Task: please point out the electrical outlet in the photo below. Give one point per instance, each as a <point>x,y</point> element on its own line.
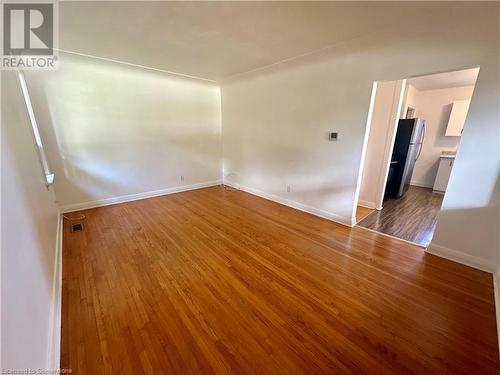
<point>288,188</point>
<point>182,178</point>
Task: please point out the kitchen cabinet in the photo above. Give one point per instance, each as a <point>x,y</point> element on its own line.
<point>457,118</point>
<point>443,174</point>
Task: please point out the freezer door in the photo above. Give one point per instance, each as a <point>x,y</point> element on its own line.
<point>408,168</point>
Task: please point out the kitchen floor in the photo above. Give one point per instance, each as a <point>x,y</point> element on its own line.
<point>412,217</point>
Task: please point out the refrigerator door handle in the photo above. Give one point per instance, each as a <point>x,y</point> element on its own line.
<point>421,143</point>
<point>419,151</point>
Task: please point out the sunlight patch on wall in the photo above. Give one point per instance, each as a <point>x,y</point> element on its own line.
<point>119,130</point>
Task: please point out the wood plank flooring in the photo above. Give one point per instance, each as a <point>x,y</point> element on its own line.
<point>412,217</point>
<point>219,281</point>
<point>362,212</point>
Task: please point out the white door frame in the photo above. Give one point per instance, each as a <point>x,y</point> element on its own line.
<point>389,144</point>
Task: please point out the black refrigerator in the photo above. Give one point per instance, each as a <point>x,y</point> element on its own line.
<point>407,148</point>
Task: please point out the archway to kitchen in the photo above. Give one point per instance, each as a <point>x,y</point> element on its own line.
<point>412,140</point>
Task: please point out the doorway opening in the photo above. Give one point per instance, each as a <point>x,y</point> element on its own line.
<point>412,138</point>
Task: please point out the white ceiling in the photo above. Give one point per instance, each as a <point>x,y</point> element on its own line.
<point>446,80</point>
<point>214,40</point>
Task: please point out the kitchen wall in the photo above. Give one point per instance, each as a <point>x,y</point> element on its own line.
<point>28,240</point>
<point>434,106</point>
<point>409,100</point>
<point>115,132</point>
<point>276,120</point>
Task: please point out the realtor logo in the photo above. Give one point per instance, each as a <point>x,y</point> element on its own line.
<point>28,35</point>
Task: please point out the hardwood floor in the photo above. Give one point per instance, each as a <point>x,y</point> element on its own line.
<point>220,281</point>
<point>362,212</point>
<point>412,217</point>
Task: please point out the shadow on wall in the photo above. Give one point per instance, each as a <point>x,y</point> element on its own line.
<point>113,130</point>
<point>431,173</point>
<point>482,222</point>
<point>440,141</point>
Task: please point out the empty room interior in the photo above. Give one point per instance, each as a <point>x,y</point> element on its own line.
<point>250,187</point>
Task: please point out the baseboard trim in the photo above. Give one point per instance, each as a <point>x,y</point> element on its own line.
<point>54,339</point>
<point>438,192</point>
<point>135,197</point>
<point>367,204</point>
<point>420,184</point>
<point>496,286</point>
<point>348,221</point>
<point>460,257</point>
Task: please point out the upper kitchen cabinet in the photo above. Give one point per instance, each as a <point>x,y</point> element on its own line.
<point>457,118</point>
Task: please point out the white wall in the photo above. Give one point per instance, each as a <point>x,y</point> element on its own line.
<point>275,121</point>
<point>275,134</point>
<point>29,229</point>
<point>112,130</point>
<point>409,100</point>
<point>434,106</point>
<point>379,146</point>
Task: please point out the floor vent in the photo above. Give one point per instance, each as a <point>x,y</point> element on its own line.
<point>77,227</point>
